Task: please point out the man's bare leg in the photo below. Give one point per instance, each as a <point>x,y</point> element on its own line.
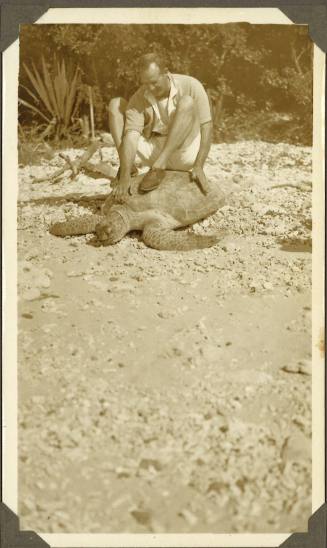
<point>117,109</point>
<point>180,129</point>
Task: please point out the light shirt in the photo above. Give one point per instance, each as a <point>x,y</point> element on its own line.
<point>164,108</point>
<point>143,114</point>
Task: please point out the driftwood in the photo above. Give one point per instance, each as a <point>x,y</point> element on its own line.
<point>304,186</point>
<point>102,168</point>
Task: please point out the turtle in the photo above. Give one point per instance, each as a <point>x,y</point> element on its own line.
<point>177,202</point>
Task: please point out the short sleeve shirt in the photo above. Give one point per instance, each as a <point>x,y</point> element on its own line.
<point>142,113</point>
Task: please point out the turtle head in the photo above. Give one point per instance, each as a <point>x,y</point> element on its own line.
<point>113,229</point>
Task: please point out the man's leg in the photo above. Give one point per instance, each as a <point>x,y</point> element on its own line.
<point>117,109</point>
<point>182,129</point>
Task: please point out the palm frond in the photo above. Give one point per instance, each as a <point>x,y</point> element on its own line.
<point>30,92</point>
<point>54,90</point>
<point>39,87</point>
<point>35,109</point>
<point>49,88</point>
<point>71,98</point>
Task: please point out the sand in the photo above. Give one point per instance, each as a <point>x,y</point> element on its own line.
<point>168,392</point>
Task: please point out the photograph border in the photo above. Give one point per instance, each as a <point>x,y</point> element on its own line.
<point>314,14</point>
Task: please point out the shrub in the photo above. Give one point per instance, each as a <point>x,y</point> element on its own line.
<point>55,96</point>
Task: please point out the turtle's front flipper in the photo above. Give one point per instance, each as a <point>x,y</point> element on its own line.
<point>76,226</point>
<point>160,237</point>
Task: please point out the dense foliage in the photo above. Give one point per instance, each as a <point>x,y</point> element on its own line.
<point>258,76</point>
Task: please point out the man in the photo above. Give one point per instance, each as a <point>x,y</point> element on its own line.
<point>167,123</point>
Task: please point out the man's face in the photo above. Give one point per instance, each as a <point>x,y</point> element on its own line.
<point>155,81</point>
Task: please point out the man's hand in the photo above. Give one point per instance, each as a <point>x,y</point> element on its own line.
<point>198,175</point>
<point>122,190</point>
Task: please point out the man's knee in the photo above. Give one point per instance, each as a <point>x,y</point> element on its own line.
<point>186,103</point>
<point>117,104</point>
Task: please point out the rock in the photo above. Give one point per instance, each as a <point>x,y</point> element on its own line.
<point>32,279</point>
<point>163,315</point>
<point>107,138</point>
<point>142,517</point>
<point>216,486</point>
<point>268,285</point>
<point>298,447</point>
<point>150,463</point>
<point>189,517</point>
<point>302,367</point>
<point>229,247</point>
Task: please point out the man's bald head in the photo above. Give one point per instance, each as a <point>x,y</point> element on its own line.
<point>153,74</point>
<point>148,59</point>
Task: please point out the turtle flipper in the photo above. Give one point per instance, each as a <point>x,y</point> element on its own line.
<point>160,237</point>
<point>76,226</point>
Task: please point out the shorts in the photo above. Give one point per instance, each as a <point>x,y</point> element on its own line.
<point>182,159</point>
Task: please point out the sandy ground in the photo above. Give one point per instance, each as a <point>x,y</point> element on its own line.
<point>167,391</point>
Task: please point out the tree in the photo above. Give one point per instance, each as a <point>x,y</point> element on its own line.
<point>246,68</point>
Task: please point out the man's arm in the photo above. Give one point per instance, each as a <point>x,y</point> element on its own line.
<point>205,144</point>
<point>127,153</point>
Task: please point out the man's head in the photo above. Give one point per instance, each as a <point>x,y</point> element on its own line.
<point>153,74</point>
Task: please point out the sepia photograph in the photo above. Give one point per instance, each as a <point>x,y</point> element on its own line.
<point>164,278</point>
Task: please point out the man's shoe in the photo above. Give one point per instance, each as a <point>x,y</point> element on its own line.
<point>152,179</point>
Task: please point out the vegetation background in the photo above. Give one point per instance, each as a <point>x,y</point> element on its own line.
<point>259,77</point>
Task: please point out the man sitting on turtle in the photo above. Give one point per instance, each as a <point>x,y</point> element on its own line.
<point>167,123</point>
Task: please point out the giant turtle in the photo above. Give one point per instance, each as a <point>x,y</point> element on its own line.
<point>177,202</point>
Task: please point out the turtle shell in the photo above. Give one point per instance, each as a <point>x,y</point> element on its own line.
<point>176,196</point>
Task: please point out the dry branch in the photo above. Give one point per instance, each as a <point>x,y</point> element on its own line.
<point>71,164</point>
<point>52,177</point>
<point>77,165</point>
<point>302,186</point>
